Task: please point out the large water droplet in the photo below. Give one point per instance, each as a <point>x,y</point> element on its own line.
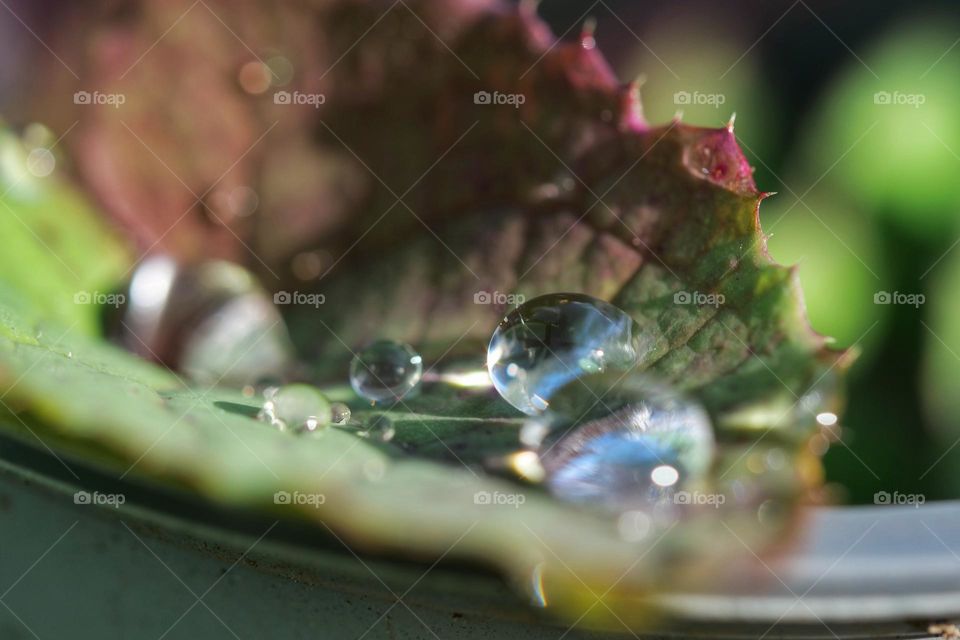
<point>211,320</point>
<point>621,442</point>
<point>545,343</point>
<point>296,407</point>
<point>385,371</point>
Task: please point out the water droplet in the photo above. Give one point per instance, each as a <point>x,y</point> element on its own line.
<point>281,70</point>
<point>211,320</point>
<point>548,341</point>
<point>339,414</point>
<point>297,407</point>
<point>40,162</point>
<point>378,427</point>
<point>621,442</point>
<point>254,77</point>
<point>385,371</point>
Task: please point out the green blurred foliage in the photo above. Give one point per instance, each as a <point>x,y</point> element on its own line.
<point>892,126</point>
<point>690,64</point>
<point>841,264</point>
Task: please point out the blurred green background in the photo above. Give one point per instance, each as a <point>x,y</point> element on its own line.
<point>851,113</point>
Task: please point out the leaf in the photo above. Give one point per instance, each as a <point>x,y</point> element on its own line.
<point>420,195</point>
<point>82,395</point>
<point>56,248</point>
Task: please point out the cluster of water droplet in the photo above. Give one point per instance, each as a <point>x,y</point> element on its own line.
<point>602,433</point>
<point>599,432</point>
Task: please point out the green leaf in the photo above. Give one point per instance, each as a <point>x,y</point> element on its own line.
<point>572,191</point>
<point>56,248</point>
<point>79,394</point>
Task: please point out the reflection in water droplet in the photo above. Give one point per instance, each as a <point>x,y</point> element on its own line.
<point>545,343</point>
<point>385,371</point>
<point>621,443</point>
<point>297,407</point>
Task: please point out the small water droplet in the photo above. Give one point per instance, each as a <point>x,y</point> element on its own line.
<point>297,407</point>
<point>40,162</point>
<point>339,414</point>
<point>385,371</point>
<point>548,341</point>
<point>379,428</point>
<point>622,442</point>
<point>254,77</point>
<point>281,70</point>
